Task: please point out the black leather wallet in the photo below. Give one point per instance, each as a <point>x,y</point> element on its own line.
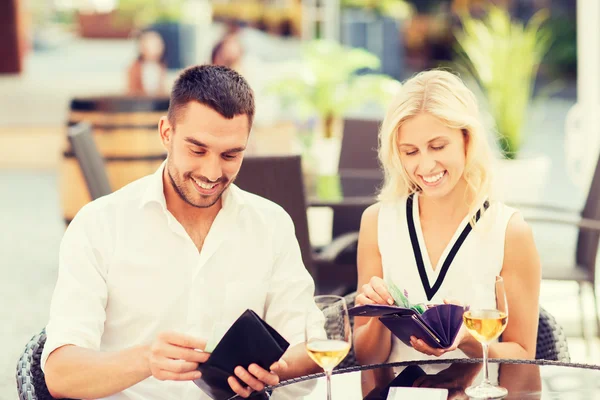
<point>250,340</point>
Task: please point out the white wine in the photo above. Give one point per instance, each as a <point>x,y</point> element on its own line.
<point>485,325</point>
<point>328,353</point>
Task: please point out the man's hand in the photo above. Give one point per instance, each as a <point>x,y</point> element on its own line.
<point>175,356</point>
<point>256,378</point>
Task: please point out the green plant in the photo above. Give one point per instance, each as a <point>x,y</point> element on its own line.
<point>327,84</point>
<point>561,60</point>
<point>503,57</point>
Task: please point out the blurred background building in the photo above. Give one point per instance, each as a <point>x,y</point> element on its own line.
<point>320,69</point>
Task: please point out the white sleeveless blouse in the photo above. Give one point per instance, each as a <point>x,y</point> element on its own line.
<point>465,272</point>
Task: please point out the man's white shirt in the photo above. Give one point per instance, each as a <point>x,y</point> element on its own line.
<point>128,270</point>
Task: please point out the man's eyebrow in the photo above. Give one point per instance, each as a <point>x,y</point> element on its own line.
<point>235,150</point>
<point>200,144</point>
<point>195,142</point>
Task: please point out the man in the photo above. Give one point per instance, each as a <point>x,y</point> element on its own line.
<point>151,272</point>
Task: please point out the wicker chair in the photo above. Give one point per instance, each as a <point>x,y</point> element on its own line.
<point>551,339</point>
<point>31,383</point>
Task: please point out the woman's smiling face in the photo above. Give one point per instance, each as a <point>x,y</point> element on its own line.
<point>432,154</point>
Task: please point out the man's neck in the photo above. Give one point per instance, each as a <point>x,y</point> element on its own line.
<point>184,212</point>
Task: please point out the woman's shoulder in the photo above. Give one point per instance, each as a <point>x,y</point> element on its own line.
<point>507,222</point>
<point>499,211</point>
<point>384,208</point>
<point>372,210</point>
<point>395,204</point>
<point>371,215</point>
<point>516,226</point>
<point>502,206</point>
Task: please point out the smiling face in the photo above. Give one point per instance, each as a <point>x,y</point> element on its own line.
<point>432,154</point>
<point>205,152</point>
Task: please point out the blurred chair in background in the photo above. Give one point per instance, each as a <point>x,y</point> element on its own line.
<point>359,145</point>
<point>126,135</point>
<point>280,180</point>
<point>360,176</point>
<point>90,160</point>
<point>583,269</point>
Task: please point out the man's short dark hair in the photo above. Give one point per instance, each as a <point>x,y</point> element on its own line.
<point>217,87</point>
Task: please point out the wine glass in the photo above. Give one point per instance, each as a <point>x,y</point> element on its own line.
<point>329,337</point>
<point>486,325</point>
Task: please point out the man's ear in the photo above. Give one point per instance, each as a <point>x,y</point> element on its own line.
<point>166,132</point>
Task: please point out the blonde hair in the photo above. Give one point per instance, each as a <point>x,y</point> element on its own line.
<point>444,96</point>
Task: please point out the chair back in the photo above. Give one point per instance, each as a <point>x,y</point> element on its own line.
<point>31,382</point>
<point>359,145</point>
<point>90,160</point>
<point>279,179</point>
<point>125,130</point>
<point>359,170</point>
<point>587,240</point>
<point>551,340</point>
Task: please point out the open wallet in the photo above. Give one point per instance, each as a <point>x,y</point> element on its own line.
<point>437,326</point>
<point>250,340</point>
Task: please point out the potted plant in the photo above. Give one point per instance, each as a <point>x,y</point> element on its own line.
<point>503,56</point>
<point>328,82</point>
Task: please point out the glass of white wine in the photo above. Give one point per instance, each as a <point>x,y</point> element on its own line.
<point>328,340</point>
<point>486,325</point>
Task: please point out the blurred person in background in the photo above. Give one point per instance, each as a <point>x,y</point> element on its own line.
<point>230,52</point>
<point>147,74</point>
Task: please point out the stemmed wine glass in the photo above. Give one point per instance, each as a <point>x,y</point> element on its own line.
<point>486,325</point>
<point>328,340</point>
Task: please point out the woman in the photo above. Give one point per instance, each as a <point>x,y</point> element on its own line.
<point>147,75</point>
<point>437,179</point>
<point>229,51</point>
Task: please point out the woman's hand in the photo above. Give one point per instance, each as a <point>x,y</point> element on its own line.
<point>463,336</point>
<point>374,292</point>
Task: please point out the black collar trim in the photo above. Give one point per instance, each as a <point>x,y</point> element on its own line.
<point>431,291</point>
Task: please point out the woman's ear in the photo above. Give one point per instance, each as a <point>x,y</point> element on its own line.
<point>466,139</point>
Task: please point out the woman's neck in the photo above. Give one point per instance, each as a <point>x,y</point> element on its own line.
<point>452,207</point>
